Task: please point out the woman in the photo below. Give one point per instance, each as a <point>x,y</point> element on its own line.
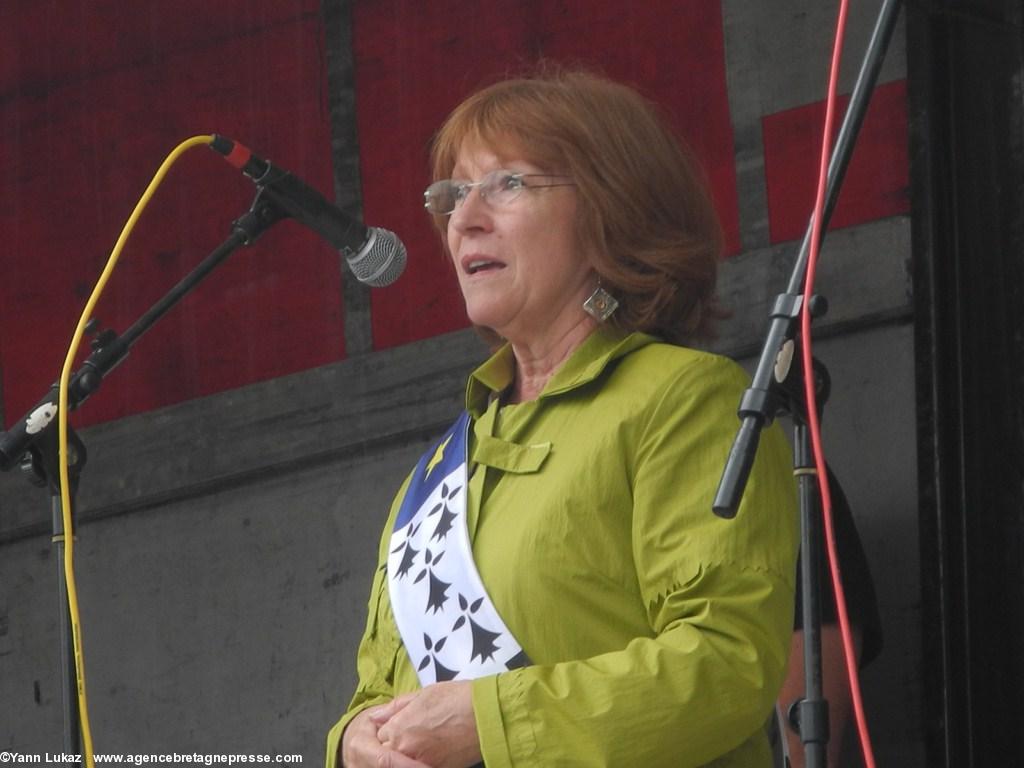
<point>597,612</point>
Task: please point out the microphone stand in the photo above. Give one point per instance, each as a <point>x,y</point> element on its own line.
<point>32,442</point>
<point>763,400</point>
<point>809,716</point>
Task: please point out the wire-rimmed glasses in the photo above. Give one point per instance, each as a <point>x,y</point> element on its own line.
<point>498,187</point>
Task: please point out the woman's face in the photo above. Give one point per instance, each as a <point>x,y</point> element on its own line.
<point>519,265</point>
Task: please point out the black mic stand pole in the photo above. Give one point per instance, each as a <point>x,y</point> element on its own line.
<point>32,442</point>
<point>762,400</point>
<point>42,465</point>
<point>809,715</point>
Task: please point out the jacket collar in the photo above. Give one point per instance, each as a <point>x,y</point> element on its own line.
<point>585,364</point>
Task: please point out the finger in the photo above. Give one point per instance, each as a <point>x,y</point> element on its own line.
<point>385,712</point>
<point>391,759</point>
<point>360,746</point>
<point>379,711</point>
<point>384,734</point>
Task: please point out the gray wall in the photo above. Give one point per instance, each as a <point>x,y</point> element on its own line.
<point>226,544</point>
<point>224,553</point>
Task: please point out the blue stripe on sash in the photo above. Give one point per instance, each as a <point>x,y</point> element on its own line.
<point>433,466</point>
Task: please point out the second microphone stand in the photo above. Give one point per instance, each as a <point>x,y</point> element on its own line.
<point>762,400</point>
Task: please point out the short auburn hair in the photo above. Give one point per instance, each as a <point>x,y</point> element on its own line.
<point>644,216</point>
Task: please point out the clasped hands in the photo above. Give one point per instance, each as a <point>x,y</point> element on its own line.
<point>434,727</point>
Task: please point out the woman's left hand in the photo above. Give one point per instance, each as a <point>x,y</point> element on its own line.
<point>435,725</point>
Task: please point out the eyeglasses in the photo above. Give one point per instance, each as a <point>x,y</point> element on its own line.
<point>497,188</point>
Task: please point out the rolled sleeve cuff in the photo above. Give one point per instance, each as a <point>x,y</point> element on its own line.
<point>506,738</point>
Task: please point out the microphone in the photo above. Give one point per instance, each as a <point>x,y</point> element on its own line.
<point>375,256</point>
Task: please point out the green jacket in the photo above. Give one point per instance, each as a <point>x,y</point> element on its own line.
<point>658,632</point>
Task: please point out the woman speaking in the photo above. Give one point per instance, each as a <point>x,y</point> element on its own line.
<point>553,587</point>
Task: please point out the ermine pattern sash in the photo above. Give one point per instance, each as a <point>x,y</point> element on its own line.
<point>450,627</point>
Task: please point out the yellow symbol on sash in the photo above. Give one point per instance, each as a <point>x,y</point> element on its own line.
<point>437,458</point>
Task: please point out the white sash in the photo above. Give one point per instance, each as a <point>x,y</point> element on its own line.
<point>450,627</point>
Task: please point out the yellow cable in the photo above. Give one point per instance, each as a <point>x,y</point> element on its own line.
<point>62,426</point>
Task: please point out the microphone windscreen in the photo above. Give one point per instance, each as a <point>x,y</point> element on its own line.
<point>380,261</point>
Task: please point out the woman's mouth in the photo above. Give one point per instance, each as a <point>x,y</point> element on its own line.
<point>475,266</point>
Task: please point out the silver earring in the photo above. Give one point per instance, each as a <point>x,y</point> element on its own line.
<point>600,305</point>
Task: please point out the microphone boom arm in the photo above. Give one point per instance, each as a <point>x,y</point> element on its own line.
<point>110,349</point>
<point>756,409</point>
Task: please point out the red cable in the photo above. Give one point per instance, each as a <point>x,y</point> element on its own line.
<point>811,397</point>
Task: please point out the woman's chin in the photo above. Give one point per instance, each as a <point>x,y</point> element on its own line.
<point>487,317</point>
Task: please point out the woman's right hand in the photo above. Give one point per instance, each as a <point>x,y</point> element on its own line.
<point>360,747</point>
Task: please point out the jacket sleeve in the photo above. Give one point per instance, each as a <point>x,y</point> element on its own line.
<point>719,602</point>
<point>375,660</point>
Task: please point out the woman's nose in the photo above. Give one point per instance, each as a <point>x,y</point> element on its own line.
<point>472,213</point>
